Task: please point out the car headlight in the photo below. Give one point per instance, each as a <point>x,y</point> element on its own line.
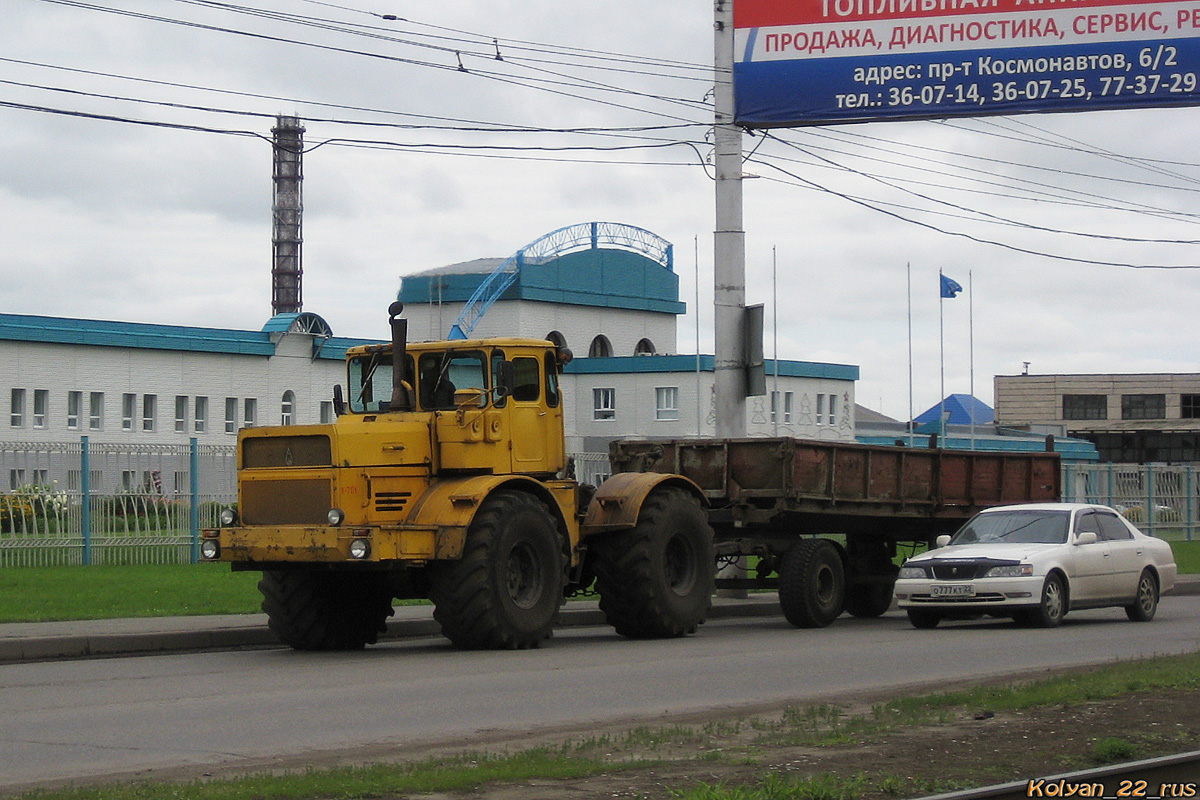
<point>911,572</point>
<point>228,517</point>
<point>1010,571</point>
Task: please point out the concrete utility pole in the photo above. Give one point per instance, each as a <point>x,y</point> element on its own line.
<point>729,240</point>
<point>288,210</point>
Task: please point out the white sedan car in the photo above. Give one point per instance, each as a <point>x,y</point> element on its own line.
<point>1035,563</point>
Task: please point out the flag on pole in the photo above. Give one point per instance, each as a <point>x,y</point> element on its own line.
<point>950,287</point>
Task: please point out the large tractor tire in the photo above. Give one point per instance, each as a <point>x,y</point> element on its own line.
<point>812,583</point>
<point>505,591</point>
<point>656,579</point>
<point>314,610</point>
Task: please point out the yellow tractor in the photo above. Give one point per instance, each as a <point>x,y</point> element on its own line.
<point>443,477</point>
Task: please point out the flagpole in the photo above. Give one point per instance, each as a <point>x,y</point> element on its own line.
<point>908,270</point>
<point>699,396</point>
<point>971,340</point>
<point>776,400</point>
<point>942,358</point>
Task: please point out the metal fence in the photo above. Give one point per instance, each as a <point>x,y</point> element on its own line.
<point>1162,500</point>
<point>75,503</point>
<point>82,503</point>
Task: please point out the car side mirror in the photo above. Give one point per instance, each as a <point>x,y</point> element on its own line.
<point>943,540</point>
<point>1087,537</point>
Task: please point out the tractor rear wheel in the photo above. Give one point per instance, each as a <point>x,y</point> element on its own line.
<point>505,591</point>
<point>656,579</point>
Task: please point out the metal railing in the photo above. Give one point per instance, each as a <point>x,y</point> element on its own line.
<point>82,503</point>
<point>1161,500</point>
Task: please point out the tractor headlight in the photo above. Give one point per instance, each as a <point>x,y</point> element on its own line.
<point>228,517</point>
<point>335,516</point>
<point>360,549</point>
<point>210,549</point>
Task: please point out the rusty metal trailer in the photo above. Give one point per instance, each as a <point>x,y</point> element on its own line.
<point>773,500</point>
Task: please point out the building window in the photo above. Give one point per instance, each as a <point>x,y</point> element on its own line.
<point>645,347</point>
<point>787,408</point>
<point>128,408</point>
<point>833,409</point>
<point>820,409</point>
<point>666,402</point>
<point>326,412</point>
<point>1085,406</point>
<point>601,347</point>
<point>250,412</point>
<point>287,408</point>
<point>1143,406</point>
<point>604,403</point>
<point>41,405</point>
<point>17,417</point>
<point>1189,407</point>
<point>231,406</point>
<point>96,411</point>
<point>181,414</point>
<point>74,402</point>
<point>149,412</point>
<point>200,421</point>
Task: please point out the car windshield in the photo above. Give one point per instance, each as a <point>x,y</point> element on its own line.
<point>1040,527</point>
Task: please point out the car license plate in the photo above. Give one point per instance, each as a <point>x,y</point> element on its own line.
<point>955,590</point>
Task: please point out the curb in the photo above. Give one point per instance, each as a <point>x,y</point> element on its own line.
<point>109,638</point>
<point>89,639</point>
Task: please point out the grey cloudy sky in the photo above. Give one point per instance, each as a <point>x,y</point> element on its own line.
<point>104,218</point>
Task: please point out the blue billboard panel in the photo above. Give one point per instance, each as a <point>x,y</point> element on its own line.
<point>810,62</point>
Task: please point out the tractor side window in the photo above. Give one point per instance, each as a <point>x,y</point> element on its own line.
<point>443,374</point>
<point>497,360</point>
<point>527,384</point>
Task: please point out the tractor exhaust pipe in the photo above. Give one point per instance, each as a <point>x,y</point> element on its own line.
<point>401,396</point>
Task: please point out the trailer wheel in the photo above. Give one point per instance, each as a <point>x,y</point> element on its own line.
<point>656,579</point>
<point>812,584</point>
<point>924,618</point>
<point>869,600</point>
<point>505,591</point>
<point>312,610</point>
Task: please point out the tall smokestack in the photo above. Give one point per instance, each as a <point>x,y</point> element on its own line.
<point>287,210</point>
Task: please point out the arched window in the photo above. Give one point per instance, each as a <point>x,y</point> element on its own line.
<point>288,408</point>
<point>644,348</point>
<point>559,340</point>
<point>601,347</point>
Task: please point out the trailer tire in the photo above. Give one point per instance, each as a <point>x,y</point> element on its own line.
<point>656,580</point>
<point>923,618</point>
<point>311,610</point>
<point>505,591</point>
<point>812,584</point>
<point>869,600</point>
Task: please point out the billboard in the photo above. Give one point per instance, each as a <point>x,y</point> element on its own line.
<point>810,62</point>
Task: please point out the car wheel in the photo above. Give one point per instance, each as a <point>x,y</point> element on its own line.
<point>1053,608</point>
<point>923,618</point>
<point>1142,609</point>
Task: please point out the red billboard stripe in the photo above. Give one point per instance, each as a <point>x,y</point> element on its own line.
<point>772,13</point>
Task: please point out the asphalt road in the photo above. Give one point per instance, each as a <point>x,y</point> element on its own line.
<point>76,720</point>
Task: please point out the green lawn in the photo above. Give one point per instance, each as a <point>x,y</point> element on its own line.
<point>43,594</point>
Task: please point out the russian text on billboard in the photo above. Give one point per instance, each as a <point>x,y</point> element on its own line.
<point>806,62</point>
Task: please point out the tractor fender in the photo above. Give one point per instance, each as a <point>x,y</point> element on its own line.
<point>618,502</point>
<point>449,506</point>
